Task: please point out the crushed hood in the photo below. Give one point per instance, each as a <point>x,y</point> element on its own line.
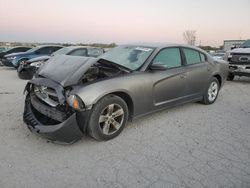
<point>66,70</point>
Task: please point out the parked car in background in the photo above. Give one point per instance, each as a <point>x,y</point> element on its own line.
<point>14,59</point>
<point>13,50</point>
<point>71,95</point>
<point>27,69</point>
<point>239,61</point>
<point>219,55</point>
<point>3,49</point>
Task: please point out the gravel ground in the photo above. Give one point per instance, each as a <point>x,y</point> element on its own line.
<point>193,145</point>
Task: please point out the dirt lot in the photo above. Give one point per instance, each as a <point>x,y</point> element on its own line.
<point>188,146</point>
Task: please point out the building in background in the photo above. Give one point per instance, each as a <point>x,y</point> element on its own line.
<point>228,44</point>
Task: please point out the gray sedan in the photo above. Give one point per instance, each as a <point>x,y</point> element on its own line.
<point>98,96</point>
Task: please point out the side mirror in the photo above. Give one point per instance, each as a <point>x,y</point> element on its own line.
<point>158,66</point>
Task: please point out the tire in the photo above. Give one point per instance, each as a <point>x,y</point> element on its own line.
<point>108,118</point>
<point>230,77</point>
<point>212,92</point>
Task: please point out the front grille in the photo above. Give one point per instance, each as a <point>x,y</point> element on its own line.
<point>47,95</point>
<point>242,59</point>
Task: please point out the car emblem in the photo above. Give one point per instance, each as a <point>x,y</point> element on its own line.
<point>244,58</point>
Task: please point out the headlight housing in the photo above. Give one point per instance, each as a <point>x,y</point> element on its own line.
<point>36,64</point>
<point>75,102</point>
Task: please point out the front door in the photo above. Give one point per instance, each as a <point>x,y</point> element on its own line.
<point>168,85</point>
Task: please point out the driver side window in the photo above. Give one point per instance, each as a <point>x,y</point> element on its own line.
<point>171,57</point>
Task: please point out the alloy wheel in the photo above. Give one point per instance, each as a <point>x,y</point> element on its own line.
<point>213,91</point>
<point>111,119</point>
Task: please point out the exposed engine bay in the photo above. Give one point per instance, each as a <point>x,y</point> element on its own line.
<point>102,70</point>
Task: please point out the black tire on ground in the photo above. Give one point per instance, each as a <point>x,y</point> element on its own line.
<point>206,99</point>
<point>230,77</point>
<point>95,127</point>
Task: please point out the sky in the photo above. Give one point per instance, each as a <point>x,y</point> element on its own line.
<point>123,21</point>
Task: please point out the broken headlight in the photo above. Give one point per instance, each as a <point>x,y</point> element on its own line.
<point>75,102</point>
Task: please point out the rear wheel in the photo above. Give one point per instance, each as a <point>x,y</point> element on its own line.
<point>212,92</point>
<point>230,77</point>
<point>108,118</point>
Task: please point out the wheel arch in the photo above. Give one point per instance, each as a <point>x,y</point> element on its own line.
<point>126,97</point>
<point>219,78</point>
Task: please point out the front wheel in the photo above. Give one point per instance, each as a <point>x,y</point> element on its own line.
<point>212,92</point>
<point>108,118</point>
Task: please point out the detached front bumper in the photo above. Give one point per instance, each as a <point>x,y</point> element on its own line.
<point>67,131</point>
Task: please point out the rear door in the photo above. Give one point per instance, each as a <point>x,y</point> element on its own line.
<point>198,71</point>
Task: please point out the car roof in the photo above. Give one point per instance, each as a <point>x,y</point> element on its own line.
<point>78,47</point>
<point>41,46</point>
<point>164,45</point>
<point>12,47</point>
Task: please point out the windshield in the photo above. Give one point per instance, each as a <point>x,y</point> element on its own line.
<point>131,57</point>
<point>246,44</point>
<point>62,51</point>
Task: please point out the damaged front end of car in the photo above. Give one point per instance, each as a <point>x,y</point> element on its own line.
<point>53,108</point>
<point>48,113</point>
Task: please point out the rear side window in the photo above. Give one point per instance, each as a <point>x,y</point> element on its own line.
<point>192,56</point>
<point>46,50</point>
<point>18,50</point>
<point>79,52</point>
<point>56,48</point>
<point>171,57</point>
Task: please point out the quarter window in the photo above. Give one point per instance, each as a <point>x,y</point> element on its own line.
<point>170,57</point>
<point>192,56</point>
